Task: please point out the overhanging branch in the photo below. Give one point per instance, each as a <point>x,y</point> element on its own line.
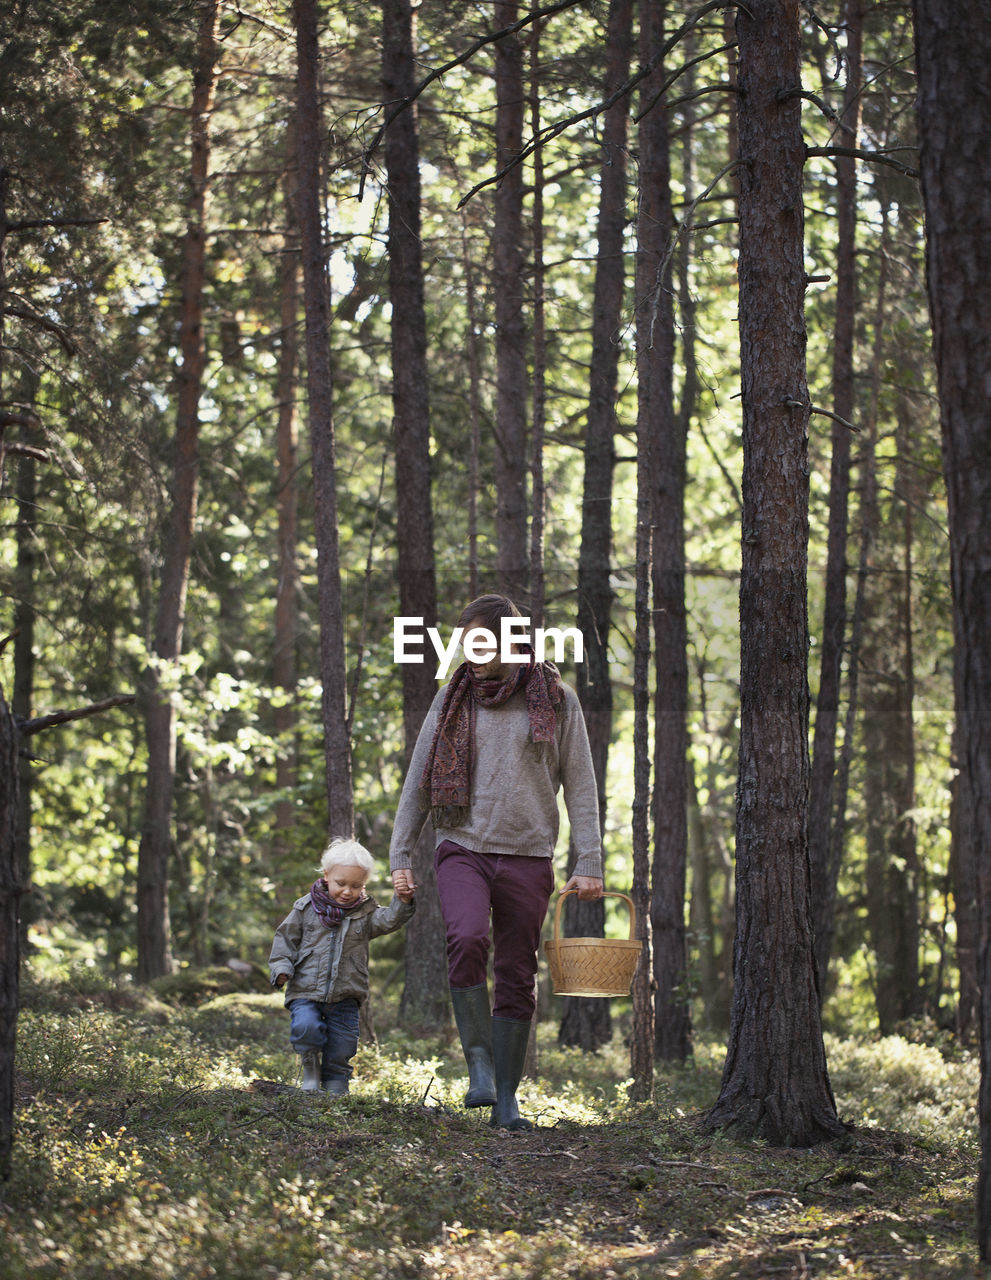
<point>28,727</point>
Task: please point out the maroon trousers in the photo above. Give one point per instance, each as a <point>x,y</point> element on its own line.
<point>514,892</point>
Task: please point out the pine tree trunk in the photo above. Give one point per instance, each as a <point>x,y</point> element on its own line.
<point>424,1000</point>
<point>834,618</point>
<point>507,279</point>
<point>320,412</point>
<point>284,670</point>
<point>655,381</point>
<point>10,892</point>
<point>588,1023</point>
<point>775,1083</point>
<point>953,52</point>
<point>22,694</point>
<point>154,943</point>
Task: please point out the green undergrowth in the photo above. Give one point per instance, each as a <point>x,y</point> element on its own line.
<point>166,1138</point>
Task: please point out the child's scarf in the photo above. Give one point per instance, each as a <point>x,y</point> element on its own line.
<point>445,786</point>
<point>329,911</point>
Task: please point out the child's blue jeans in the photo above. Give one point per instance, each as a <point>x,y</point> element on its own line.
<point>330,1027</point>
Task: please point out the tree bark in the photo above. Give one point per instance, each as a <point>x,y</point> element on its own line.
<point>889,763</point>
<point>154,943</point>
<point>424,1001</point>
<point>22,694</point>
<point>834,617</point>
<point>655,382</point>
<point>775,1084</point>
<point>10,893</point>
<point>320,413</point>
<point>953,50</point>
<point>507,275</point>
<point>588,1023</point>
<point>287,503</point>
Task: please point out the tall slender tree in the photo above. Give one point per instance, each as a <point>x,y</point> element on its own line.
<point>655,389</point>
<point>821,788</point>
<point>287,503</point>
<point>511,335</point>
<point>157,700</point>
<point>587,1022</point>
<point>320,412</point>
<point>424,1000</point>
<point>775,1083</point>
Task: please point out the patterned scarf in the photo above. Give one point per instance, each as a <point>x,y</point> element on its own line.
<point>329,911</point>
<point>445,787</point>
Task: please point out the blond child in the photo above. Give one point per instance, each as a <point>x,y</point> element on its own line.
<point>320,958</point>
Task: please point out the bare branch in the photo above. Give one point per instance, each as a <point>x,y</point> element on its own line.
<point>43,322</point>
<point>31,224</point>
<point>814,98</point>
<point>27,451</point>
<point>28,727</point>
<point>825,413</point>
<point>876,157</point>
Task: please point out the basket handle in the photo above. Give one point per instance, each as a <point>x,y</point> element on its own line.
<point>567,894</point>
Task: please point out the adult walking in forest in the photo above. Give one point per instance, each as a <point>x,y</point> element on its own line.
<point>499,741</point>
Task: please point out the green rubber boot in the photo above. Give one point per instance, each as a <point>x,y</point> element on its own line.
<point>509,1042</point>
<point>474,1020</point>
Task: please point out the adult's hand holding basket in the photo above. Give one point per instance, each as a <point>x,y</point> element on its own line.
<point>592,966</point>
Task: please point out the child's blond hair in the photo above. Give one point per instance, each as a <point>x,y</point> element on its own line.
<point>345,852</point>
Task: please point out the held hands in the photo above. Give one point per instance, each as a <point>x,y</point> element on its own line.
<point>588,888</point>
<point>402,882</point>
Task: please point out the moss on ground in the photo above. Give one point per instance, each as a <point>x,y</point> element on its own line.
<point>165,1139</point>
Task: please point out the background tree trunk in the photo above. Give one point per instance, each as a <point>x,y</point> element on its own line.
<point>953,51</point>
<point>588,1023</point>
<point>821,789</point>
<point>287,502</point>
<point>655,382</point>
<point>154,942</point>
<point>507,277</point>
<point>424,1000</point>
<point>319,392</point>
<point>10,892</point>
<point>775,1083</point>
<point>22,693</point>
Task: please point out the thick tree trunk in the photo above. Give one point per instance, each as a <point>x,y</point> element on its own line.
<point>320,412</point>
<point>424,1000</point>
<point>655,381</point>
<point>834,618</point>
<point>287,502</point>
<point>963,882</point>
<point>775,1084</point>
<point>953,51</point>
<point>588,1023</point>
<point>507,276</point>
<point>154,943</point>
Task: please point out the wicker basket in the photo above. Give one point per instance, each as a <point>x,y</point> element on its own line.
<point>592,966</point>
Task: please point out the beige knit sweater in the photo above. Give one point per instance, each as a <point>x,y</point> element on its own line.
<point>513,792</point>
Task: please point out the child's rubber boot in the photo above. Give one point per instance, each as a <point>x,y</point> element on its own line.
<point>474,1020</point>
<point>310,1061</point>
<point>509,1042</point>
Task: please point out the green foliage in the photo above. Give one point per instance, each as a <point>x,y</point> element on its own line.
<point>169,1140</point>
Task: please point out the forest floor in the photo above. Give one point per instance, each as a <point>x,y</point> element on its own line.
<point>159,1138</point>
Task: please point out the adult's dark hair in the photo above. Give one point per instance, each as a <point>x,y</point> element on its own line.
<point>488,611</point>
